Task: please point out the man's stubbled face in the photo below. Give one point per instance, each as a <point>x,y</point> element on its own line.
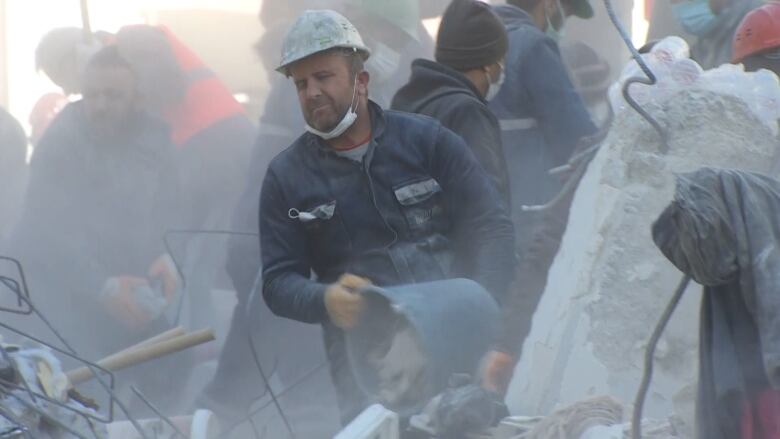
<point>109,99</point>
<point>325,86</point>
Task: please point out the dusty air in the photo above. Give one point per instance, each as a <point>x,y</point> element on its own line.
<point>389,219</point>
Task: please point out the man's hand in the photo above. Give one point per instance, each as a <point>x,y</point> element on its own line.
<point>164,270</point>
<point>343,301</point>
<point>126,299</point>
<point>497,371</point>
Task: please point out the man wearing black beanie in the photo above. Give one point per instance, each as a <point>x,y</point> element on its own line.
<point>542,117</point>
<point>470,49</point>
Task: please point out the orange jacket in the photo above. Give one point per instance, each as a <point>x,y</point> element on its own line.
<point>207,100</point>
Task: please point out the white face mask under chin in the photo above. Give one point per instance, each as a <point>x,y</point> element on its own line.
<point>349,118</point>
<point>555,33</point>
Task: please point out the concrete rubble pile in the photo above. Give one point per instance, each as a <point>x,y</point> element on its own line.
<point>609,283</point>
<point>201,425</point>
<point>594,418</point>
<point>25,415</point>
<point>40,400</point>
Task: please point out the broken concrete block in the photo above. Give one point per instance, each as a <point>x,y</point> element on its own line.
<point>609,283</point>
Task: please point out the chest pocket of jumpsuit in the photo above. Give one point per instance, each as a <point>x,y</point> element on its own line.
<point>422,206</point>
<point>322,226</point>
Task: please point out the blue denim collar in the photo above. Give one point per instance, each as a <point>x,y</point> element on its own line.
<point>377,116</point>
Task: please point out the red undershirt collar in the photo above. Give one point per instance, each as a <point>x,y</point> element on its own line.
<point>356,145</point>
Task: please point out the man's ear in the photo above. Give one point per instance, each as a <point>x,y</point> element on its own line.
<point>363,79</point>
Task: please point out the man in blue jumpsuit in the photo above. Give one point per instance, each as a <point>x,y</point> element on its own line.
<point>542,119</point>
<point>367,196</point>
<point>541,115</point>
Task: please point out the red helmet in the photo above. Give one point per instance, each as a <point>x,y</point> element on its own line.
<point>759,31</point>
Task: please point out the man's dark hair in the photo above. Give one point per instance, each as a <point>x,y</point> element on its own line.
<point>356,60</point>
<point>57,44</point>
<point>108,57</point>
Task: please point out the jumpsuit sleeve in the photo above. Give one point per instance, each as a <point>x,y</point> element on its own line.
<point>559,110</point>
<point>287,288</point>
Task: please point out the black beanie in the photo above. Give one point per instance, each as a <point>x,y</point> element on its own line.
<point>470,36</point>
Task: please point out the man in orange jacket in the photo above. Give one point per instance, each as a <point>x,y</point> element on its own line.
<point>208,126</point>
<point>100,194</point>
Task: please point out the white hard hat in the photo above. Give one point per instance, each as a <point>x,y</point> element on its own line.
<point>318,30</point>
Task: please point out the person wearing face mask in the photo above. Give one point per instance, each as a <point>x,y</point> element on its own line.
<point>542,117</point>
<point>757,45</point>
<point>396,36</point>
<point>470,50</point>
<point>367,196</point>
<point>468,71</point>
<point>454,89</point>
<point>714,24</point>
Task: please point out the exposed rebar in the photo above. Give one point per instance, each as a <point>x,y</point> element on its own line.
<point>639,402</point>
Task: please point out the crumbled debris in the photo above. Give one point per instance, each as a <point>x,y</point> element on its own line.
<point>53,413</point>
<point>401,366</point>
